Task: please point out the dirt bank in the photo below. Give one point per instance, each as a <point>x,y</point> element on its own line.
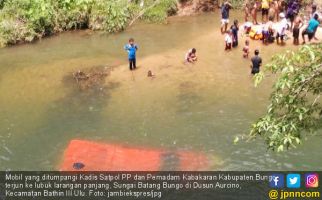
<point>191,7</point>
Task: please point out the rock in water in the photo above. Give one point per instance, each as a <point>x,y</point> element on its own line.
<point>93,77</point>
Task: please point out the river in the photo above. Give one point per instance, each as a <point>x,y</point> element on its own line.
<point>199,107</point>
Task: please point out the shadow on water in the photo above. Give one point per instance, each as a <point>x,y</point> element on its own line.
<point>187,97</point>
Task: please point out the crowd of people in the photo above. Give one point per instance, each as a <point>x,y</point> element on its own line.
<point>278,16</point>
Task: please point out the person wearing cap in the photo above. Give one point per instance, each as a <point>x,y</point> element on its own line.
<point>311,28</point>
<point>256,63</point>
<point>281,28</point>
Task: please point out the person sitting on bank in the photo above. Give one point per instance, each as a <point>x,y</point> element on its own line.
<point>256,63</point>
<point>311,28</point>
<point>191,56</point>
<point>131,49</point>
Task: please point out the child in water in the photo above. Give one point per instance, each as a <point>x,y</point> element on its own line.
<point>150,74</point>
<point>191,56</point>
<point>131,49</point>
<point>246,49</point>
<point>228,40</point>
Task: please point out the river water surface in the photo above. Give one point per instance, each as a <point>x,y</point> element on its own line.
<point>199,107</point>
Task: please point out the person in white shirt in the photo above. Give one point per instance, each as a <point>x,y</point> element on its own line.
<point>281,28</point>
<point>228,40</point>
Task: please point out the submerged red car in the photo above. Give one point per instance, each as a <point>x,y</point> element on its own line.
<point>82,155</point>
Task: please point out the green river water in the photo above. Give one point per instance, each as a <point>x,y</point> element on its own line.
<point>199,107</point>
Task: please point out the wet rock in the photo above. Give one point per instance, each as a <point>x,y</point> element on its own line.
<point>90,78</point>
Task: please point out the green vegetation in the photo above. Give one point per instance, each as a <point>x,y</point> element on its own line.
<point>237,3</point>
<point>295,108</point>
<point>28,20</point>
<point>157,13</point>
<point>1,3</point>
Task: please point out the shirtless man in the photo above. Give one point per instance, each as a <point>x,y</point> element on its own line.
<point>277,9</point>
<point>297,25</point>
<point>254,12</point>
<point>247,10</point>
<point>271,11</point>
<point>282,6</point>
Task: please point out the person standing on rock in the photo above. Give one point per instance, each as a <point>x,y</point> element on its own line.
<point>131,49</point>
<point>225,16</point>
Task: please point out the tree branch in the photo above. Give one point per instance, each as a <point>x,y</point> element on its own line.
<point>143,11</point>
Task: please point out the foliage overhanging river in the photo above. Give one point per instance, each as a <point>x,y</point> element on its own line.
<point>201,107</point>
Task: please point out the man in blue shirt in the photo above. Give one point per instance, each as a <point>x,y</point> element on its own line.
<point>131,49</point>
<point>225,16</point>
<point>311,28</point>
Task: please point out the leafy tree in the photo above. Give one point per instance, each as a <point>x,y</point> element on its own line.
<point>28,20</point>
<point>1,3</point>
<point>295,106</point>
